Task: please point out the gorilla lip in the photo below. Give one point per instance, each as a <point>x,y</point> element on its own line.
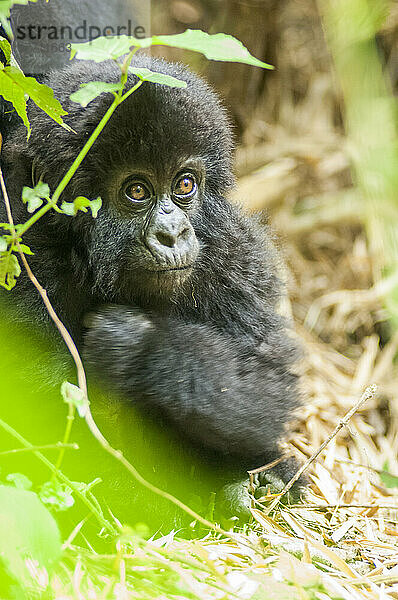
<point>173,269</point>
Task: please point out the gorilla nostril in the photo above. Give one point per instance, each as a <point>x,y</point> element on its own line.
<point>165,239</point>
<point>184,235</point>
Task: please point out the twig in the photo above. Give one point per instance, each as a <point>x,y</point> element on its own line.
<point>44,447</point>
<point>367,395</point>
<point>346,461</point>
<point>266,467</point>
<point>337,506</point>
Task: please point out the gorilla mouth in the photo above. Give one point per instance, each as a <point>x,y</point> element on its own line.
<point>168,269</point>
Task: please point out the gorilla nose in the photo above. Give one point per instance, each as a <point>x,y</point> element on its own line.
<point>172,243</point>
<point>170,239</point>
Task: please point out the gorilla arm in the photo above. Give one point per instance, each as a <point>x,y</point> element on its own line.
<point>226,395</point>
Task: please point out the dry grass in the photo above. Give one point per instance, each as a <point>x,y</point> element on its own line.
<point>349,516</point>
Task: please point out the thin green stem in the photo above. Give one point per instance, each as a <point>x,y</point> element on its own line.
<point>68,429</point>
<point>56,446</point>
<point>72,169</point>
<point>125,65</point>
<point>132,90</point>
<point>101,519</point>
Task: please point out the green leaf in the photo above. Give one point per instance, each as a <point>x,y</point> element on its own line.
<point>75,396</point>
<point>29,534</point>
<point>389,480</point>
<point>14,94</point>
<point>218,46</point>
<point>9,270</point>
<point>13,87</point>
<point>81,203</point>
<point>89,91</point>
<point>26,250</point>
<point>103,48</point>
<point>42,189</point>
<point>56,495</point>
<point>5,47</point>
<point>153,77</point>
<point>33,197</point>
<point>19,480</point>
<point>3,245</point>
<point>95,206</point>
<point>68,208</point>
<point>42,96</point>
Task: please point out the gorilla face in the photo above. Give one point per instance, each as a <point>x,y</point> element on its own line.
<point>163,156</point>
<point>158,246</point>
<point>167,237</point>
<point>159,205</point>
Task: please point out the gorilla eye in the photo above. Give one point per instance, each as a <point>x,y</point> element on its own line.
<point>185,186</point>
<point>137,191</point>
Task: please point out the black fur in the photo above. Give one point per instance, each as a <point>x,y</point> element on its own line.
<point>208,351</point>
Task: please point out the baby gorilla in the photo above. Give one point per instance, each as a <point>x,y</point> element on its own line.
<point>180,287</point>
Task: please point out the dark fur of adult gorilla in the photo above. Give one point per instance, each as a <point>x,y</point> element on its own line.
<point>180,288</point>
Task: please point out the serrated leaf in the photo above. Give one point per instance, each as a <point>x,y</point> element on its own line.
<point>29,535</point>
<point>14,94</point>
<point>3,245</point>
<point>75,396</point>
<point>56,495</point>
<point>13,87</point>
<point>5,47</point>
<point>33,197</point>
<point>9,270</point>
<point>42,95</point>
<point>218,46</point>
<point>26,250</point>
<point>103,48</point>
<point>81,203</point>
<point>153,77</point>
<point>89,91</point>
<point>19,480</point>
